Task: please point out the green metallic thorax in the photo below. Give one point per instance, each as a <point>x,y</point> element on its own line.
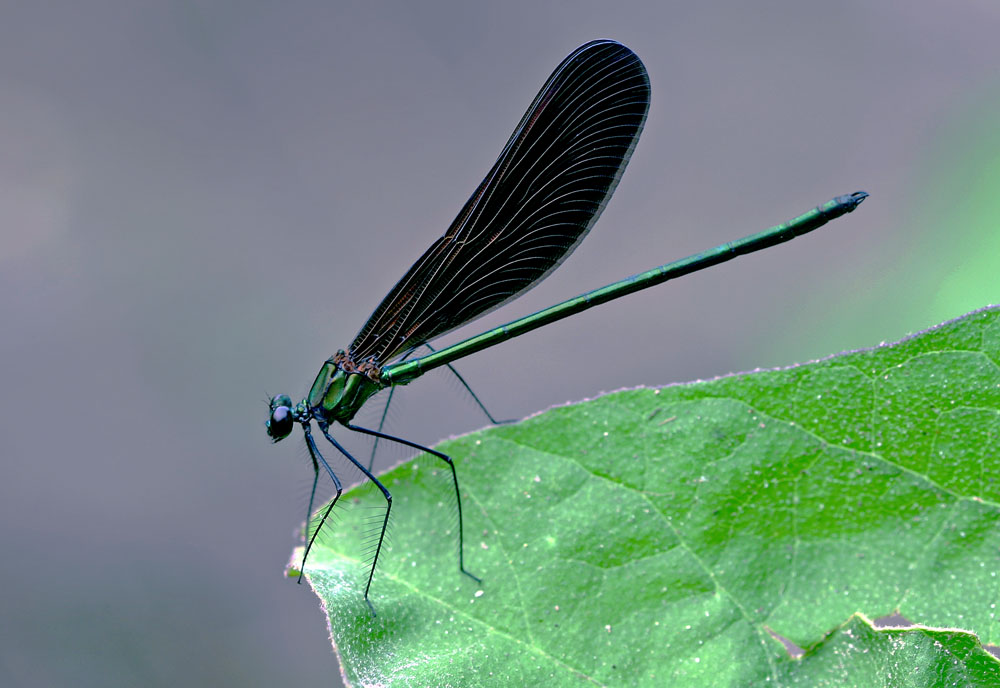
<point>337,395</point>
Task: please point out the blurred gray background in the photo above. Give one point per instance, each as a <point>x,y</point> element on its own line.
<point>200,202</point>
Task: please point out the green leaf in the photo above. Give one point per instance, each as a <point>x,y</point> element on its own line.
<point>859,655</point>
<point>670,536</point>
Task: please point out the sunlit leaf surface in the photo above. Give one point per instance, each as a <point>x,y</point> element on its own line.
<point>665,536</point>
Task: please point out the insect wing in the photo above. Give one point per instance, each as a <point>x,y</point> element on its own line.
<point>539,200</point>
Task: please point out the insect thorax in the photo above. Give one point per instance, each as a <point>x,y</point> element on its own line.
<point>342,387</point>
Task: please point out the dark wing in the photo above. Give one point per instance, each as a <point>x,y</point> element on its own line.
<point>544,193</point>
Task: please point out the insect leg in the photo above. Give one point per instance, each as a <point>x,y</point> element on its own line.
<point>473,394</point>
<point>317,458</point>
<point>454,479</point>
<point>325,429</point>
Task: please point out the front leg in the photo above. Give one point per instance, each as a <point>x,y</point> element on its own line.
<point>317,458</point>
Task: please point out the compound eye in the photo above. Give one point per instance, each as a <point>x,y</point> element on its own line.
<point>281,400</point>
<point>282,420</point>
